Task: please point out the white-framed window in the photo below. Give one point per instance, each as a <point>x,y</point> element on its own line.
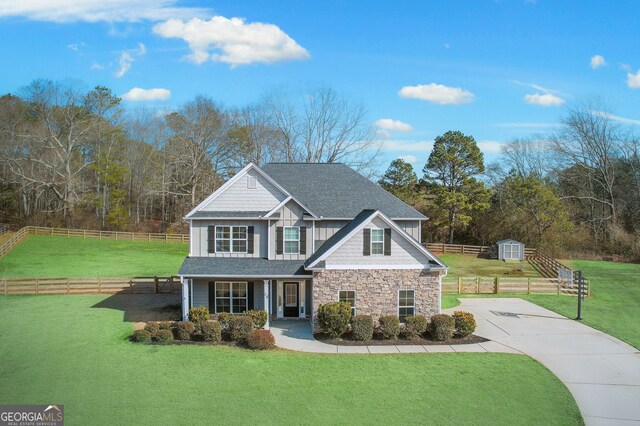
<point>348,296</point>
<point>231,297</point>
<point>377,241</point>
<point>291,240</point>
<point>406,304</point>
<point>231,239</point>
<point>511,251</point>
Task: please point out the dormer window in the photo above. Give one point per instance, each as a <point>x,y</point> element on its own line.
<point>377,241</point>
<point>251,182</point>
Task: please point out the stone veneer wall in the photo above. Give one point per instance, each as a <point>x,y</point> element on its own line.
<point>377,289</point>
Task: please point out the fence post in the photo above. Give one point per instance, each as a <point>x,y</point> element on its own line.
<point>558,287</point>
<point>68,285</point>
<point>459,285</point>
<point>51,231</point>
<point>99,286</point>
<point>131,285</point>
<point>149,237</point>
<point>155,281</point>
<point>37,282</point>
<point>166,236</point>
<point>462,249</point>
<point>497,285</point>
<point>529,285</point>
<point>5,286</point>
<point>477,285</point>
<point>68,232</point>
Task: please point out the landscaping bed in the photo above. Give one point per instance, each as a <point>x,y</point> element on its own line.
<point>348,340</point>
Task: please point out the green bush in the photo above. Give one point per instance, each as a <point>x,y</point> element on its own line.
<point>211,331</point>
<point>259,317</point>
<point>224,318</point>
<point>334,318</point>
<point>152,327</point>
<point>414,327</point>
<point>162,336</point>
<point>141,336</point>
<point>261,339</point>
<point>362,327</point>
<point>182,330</point>
<point>199,315</point>
<point>442,327</point>
<point>389,327</point>
<point>465,323</point>
<point>240,327</point>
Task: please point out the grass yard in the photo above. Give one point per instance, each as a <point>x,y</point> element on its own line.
<point>46,256</point>
<point>60,349</point>
<point>461,265</point>
<point>614,305</point>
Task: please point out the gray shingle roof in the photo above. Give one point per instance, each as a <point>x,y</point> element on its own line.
<point>241,267</point>
<point>337,191</point>
<point>335,238</point>
<point>218,215</point>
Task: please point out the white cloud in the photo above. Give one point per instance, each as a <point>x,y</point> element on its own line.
<point>232,41</point>
<point>76,46</point>
<point>96,66</point>
<point>411,159</point>
<point>597,61</point>
<point>489,146</point>
<point>66,11</point>
<point>437,94</point>
<point>137,95</point>
<point>633,80</point>
<point>128,57</point>
<point>617,118</point>
<point>393,125</point>
<point>544,99</point>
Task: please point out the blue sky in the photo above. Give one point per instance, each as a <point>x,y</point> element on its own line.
<point>492,69</point>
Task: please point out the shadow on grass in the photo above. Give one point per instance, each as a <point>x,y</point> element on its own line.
<point>143,307</point>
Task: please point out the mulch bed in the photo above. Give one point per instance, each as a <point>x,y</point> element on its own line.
<point>347,340</point>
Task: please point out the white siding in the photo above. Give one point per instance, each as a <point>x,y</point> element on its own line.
<point>290,215</point>
<point>403,253</point>
<point>199,237</point>
<point>411,227</point>
<point>238,197</point>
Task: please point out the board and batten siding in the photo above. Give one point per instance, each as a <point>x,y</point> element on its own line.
<point>325,230</point>
<point>239,197</point>
<point>200,238</point>
<point>201,292</point>
<point>200,295</point>
<point>411,227</point>
<point>290,215</point>
<point>402,251</point>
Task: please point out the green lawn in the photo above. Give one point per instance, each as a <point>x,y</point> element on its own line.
<point>46,256</point>
<point>614,305</point>
<point>461,265</point>
<point>60,349</point>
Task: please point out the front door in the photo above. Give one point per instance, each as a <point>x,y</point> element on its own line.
<point>291,300</point>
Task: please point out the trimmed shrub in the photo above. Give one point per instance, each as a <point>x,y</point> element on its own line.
<point>442,327</point>
<point>261,339</point>
<point>141,336</point>
<point>259,317</point>
<point>162,336</point>
<point>182,330</point>
<point>414,327</point>
<point>211,331</point>
<point>362,327</point>
<point>199,315</point>
<point>165,325</point>
<point>224,318</point>
<point>389,327</point>
<point>152,327</point>
<point>465,323</point>
<point>240,327</point>
<point>334,318</point>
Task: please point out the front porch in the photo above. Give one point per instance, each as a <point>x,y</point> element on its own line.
<point>282,297</point>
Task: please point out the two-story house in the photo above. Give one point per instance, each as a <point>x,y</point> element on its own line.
<point>288,237</point>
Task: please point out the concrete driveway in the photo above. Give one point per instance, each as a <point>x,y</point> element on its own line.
<point>602,372</point>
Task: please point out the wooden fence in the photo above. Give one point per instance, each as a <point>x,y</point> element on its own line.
<point>3,228</point>
<point>510,285</point>
<point>467,249</point>
<point>87,233</point>
<point>134,285</point>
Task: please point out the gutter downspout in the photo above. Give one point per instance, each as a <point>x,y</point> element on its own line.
<point>440,276</point>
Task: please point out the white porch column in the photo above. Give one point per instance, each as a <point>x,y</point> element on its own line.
<point>301,298</point>
<point>279,296</point>
<point>185,298</point>
<point>267,303</point>
<point>190,293</point>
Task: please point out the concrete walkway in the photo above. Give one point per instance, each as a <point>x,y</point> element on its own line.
<point>296,335</point>
<point>602,372</point>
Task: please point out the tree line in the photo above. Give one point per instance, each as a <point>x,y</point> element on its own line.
<point>574,191</point>
<point>76,157</point>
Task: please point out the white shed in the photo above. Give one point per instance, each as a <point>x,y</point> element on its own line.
<point>510,250</point>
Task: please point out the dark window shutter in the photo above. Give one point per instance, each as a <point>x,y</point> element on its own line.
<point>279,240</point>
<point>211,238</point>
<point>212,297</point>
<point>250,295</point>
<point>366,246</point>
<point>387,241</point>
<point>303,240</point>
<point>250,239</point>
